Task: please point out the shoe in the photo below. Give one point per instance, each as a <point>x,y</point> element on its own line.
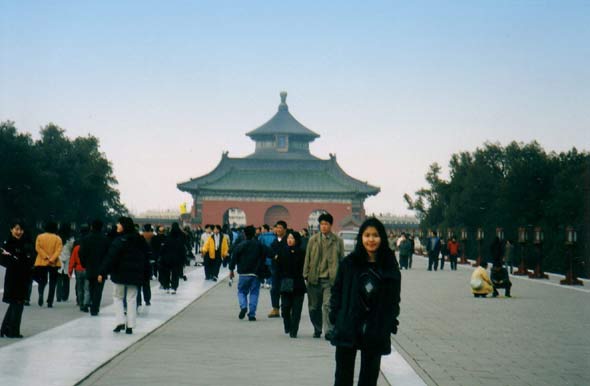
<point>93,313</point>
<point>328,336</point>
<point>3,334</point>
<point>184,278</point>
<point>287,330</point>
<point>49,305</point>
<point>293,335</point>
<point>27,303</point>
<point>40,302</point>
<point>167,290</point>
<point>507,296</point>
<point>252,318</point>
<point>173,292</point>
<point>242,313</point>
<point>128,331</point>
<point>148,303</point>
<point>119,328</point>
<point>85,309</point>
<point>214,279</point>
<point>274,313</point>
<point>317,334</point>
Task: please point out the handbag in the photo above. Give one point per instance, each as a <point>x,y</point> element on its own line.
<point>287,284</point>
<point>476,283</point>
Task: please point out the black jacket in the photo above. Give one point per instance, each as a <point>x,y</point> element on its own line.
<point>93,249</point>
<point>278,248</point>
<point>290,263</point>
<point>18,269</point>
<point>126,260</point>
<point>348,313</point>
<point>248,256</point>
<point>172,250</point>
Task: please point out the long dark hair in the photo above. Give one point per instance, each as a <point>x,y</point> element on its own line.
<point>383,250</point>
<point>127,224</point>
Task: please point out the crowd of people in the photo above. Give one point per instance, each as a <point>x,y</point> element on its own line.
<point>353,301</point>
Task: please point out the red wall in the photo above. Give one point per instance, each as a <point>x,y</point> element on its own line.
<point>299,212</point>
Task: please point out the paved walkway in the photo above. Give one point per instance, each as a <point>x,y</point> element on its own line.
<point>446,337</point>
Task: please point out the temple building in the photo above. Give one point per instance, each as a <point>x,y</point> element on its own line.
<point>281,180</point>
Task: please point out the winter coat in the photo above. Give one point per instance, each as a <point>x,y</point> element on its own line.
<point>126,260</point>
<point>486,287</point>
<point>172,251</point>
<point>48,245</point>
<point>18,269</point>
<point>405,248</point>
<point>354,325</point>
<point>290,265</point>
<point>311,269</point>
<point>93,249</point>
<point>64,256</point>
<point>453,248</point>
<point>75,264</point>
<point>209,247</point>
<point>249,257</point>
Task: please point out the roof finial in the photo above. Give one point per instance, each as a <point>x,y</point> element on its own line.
<point>283,105</point>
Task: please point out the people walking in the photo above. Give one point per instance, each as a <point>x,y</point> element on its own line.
<point>324,252</point>
<point>405,251</point>
<point>433,249</point>
<point>453,248</point>
<point>146,287</point>
<point>48,246</point>
<point>82,283</point>
<point>364,306</point>
<point>266,238</point>
<point>93,249</point>
<point>249,258</point>
<point>277,247</point>
<point>172,255</point>
<point>216,249</point>
<point>17,256</point>
<point>126,264</point>
<point>290,263</point>
<point>62,293</point>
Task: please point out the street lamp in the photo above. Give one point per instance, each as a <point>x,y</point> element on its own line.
<point>479,236</point>
<point>538,238</point>
<point>464,246</point>
<point>522,240</point>
<point>571,238</point>
<point>500,233</point>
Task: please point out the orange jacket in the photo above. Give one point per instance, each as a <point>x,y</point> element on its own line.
<point>48,247</point>
<point>75,263</point>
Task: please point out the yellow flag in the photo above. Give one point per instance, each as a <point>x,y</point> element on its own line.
<point>183,208</point>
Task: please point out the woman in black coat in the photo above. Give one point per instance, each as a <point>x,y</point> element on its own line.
<point>290,263</point>
<point>127,264</point>
<point>172,256</point>
<point>17,256</point>
<point>364,305</point>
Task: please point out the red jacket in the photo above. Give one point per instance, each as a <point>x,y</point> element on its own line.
<point>453,248</point>
<point>75,263</point>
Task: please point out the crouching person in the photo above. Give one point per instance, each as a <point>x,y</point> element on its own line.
<point>481,285</point>
<point>500,279</point>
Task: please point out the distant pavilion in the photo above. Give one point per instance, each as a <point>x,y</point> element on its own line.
<point>281,180</point>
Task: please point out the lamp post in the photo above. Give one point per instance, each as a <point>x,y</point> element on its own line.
<point>479,236</point>
<point>538,239</point>
<point>522,240</point>
<point>571,238</point>
<point>500,233</point>
<point>464,237</point>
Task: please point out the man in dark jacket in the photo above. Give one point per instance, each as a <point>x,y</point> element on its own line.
<point>93,249</point>
<point>433,249</point>
<point>249,257</point>
<point>277,246</point>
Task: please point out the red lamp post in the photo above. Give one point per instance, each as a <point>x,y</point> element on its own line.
<point>522,240</point>
<point>571,237</point>
<point>538,239</point>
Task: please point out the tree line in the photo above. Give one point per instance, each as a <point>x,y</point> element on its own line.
<point>54,178</point>
<point>519,185</point>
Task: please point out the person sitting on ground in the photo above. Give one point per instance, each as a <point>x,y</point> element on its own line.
<point>500,279</point>
<point>481,285</point>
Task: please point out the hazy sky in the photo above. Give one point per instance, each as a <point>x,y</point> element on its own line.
<point>390,86</point>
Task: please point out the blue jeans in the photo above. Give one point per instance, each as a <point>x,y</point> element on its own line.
<point>248,285</point>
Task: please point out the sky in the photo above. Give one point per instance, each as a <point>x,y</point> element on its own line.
<point>390,86</point>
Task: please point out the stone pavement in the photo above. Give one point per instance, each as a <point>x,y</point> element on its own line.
<point>538,337</point>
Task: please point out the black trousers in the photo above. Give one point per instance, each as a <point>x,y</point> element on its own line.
<point>169,275</point>
<point>43,272</point>
<point>207,267</point>
<point>432,261</point>
<point>95,295</point>
<point>146,289</point>
<point>12,319</point>
<point>63,287</point>
<point>215,267</point>
<point>453,259</point>
<point>291,306</point>
<point>370,364</point>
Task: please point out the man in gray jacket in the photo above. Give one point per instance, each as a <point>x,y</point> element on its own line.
<point>324,252</point>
